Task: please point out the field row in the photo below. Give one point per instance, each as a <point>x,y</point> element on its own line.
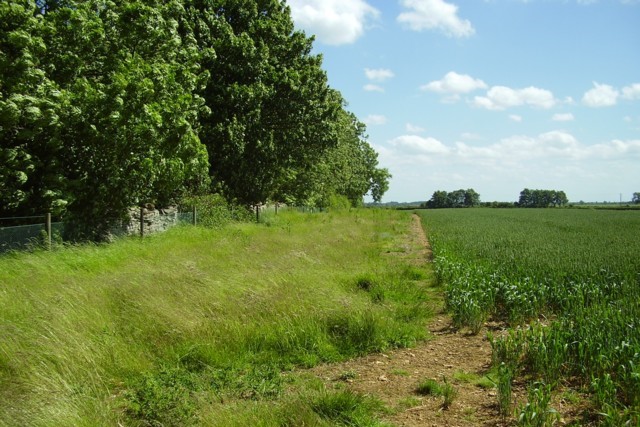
<point>567,282</point>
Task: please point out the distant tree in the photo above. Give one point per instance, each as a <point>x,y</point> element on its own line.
<point>455,199</point>
<point>560,198</point>
<point>526,198</point>
<point>471,198</point>
<point>541,198</point>
<point>636,197</point>
<point>438,200</point>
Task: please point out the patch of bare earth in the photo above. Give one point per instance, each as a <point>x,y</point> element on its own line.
<point>394,376</point>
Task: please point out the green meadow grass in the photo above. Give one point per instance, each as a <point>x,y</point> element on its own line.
<point>567,281</point>
<point>201,326</point>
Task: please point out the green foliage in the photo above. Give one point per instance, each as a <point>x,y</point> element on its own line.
<point>163,398</point>
<point>505,391</point>
<point>109,105</point>
<point>537,412</point>
<point>456,199</point>
<point>30,179</point>
<point>542,198</point>
<point>214,210</point>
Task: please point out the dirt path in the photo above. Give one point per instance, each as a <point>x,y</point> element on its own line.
<point>394,376</point>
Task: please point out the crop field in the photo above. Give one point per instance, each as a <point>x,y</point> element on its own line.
<point>567,284</point>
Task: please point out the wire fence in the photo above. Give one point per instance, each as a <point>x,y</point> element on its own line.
<point>38,231</point>
<point>24,232</point>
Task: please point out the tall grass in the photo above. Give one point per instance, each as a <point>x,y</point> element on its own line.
<point>569,278</point>
<point>183,326</point>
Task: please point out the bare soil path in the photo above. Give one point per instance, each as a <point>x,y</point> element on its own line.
<point>394,376</point>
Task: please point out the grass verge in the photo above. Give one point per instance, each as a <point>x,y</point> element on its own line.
<point>204,327</point>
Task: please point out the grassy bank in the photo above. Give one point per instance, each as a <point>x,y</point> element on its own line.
<point>201,326</point>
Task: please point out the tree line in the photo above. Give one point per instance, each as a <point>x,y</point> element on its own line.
<point>542,198</point>
<point>454,199</point>
<point>110,104</point>
<point>470,198</point>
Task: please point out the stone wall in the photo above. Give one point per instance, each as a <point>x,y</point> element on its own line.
<point>154,220</point>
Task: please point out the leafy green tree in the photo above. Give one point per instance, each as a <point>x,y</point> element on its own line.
<point>455,199</point>
<point>272,111</point>
<point>636,197</point>
<point>379,184</point>
<point>30,182</point>
<point>348,169</point>
<point>542,198</point>
<point>129,71</point>
<point>560,198</point>
<point>471,198</point>
<point>439,200</point>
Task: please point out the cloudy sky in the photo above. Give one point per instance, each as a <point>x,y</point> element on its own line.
<point>495,95</point>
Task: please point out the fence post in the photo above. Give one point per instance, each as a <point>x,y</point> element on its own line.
<point>48,230</point>
<point>195,215</point>
<point>141,222</point>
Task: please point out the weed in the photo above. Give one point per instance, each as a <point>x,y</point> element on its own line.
<point>469,377</point>
<point>347,408</point>
<point>162,398</point>
<point>348,375</point>
<point>449,393</point>
<point>408,402</point>
<point>431,387</point>
<point>400,372</point>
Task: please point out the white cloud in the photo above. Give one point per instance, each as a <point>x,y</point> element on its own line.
<point>502,97</point>
<point>414,144</point>
<point>435,15</point>
<point>334,22</point>
<point>454,83</point>
<point>601,96</point>
<point>563,117</point>
<point>499,170</point>
<point>515,118</point>
<point>378,75</point>
<point>470,136</point>
<point>631,92</point>
<point>373,88</point>
<point>375,120</point>
<point>518,149</point>
<point>411,128</point>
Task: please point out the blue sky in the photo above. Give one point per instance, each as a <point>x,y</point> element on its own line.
<point>495,95</point>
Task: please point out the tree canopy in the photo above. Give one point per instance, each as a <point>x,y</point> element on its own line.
<point>455,199</point>
<point>542,198</point>
<point>106,105</point>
